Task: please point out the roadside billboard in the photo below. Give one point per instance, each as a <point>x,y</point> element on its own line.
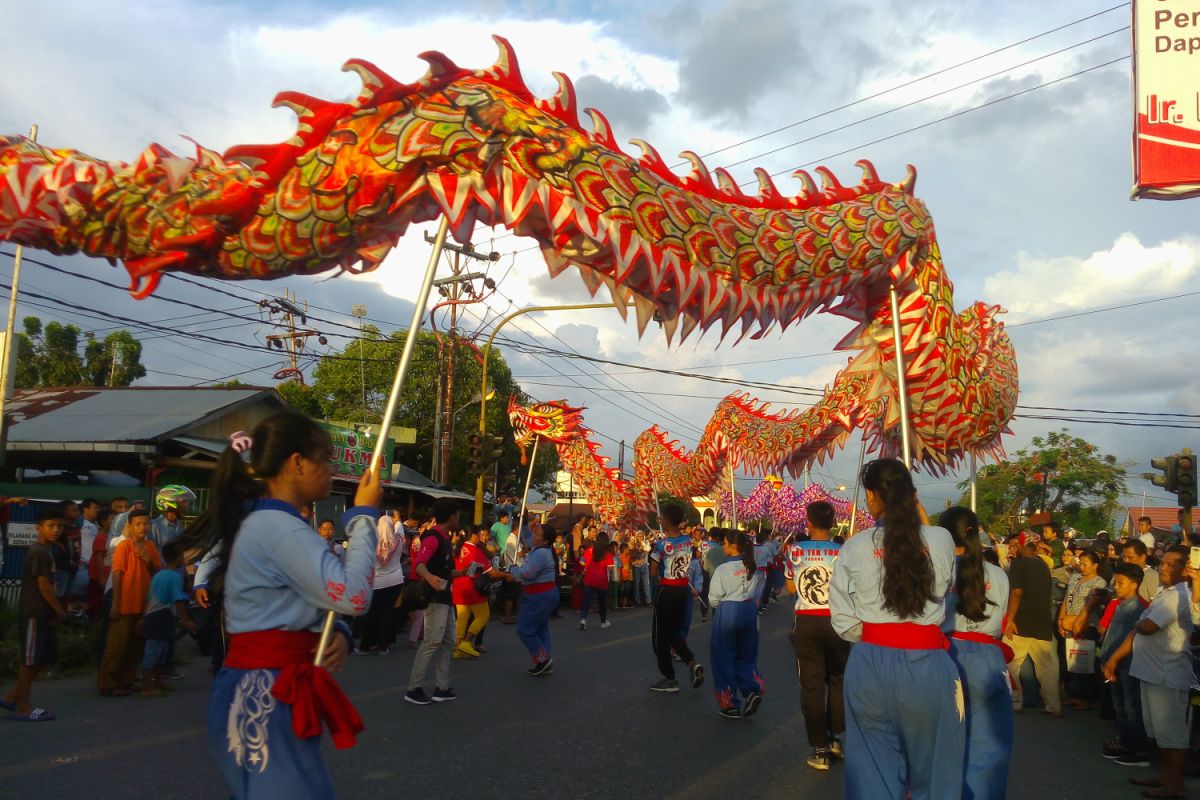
<point>1166,99</point>
<point>352,451</point>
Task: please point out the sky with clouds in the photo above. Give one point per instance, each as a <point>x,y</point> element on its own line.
<point>1030,194</point>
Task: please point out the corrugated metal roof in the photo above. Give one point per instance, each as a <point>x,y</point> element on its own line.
<point>1162,520</point>
<point>115,415</point>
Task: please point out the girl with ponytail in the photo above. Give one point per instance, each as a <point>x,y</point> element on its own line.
<point>975,619</point>
<point>279,578</point>
<point>733,593</point>
<point>902,693</point>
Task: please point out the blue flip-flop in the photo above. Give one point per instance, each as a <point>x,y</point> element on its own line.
<point>37,715</point>
<point>7,706</point>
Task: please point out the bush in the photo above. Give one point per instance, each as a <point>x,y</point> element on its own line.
<point>77,649</point>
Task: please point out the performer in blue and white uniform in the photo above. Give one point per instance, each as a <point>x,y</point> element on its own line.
<point>270,703</point>
<point>671,560</point>
<point>540,598</point>
<point>765,550</point>
<point>734,593</point>
<point>974,621</point>
<point>820,653</point>
<point>905,730</point>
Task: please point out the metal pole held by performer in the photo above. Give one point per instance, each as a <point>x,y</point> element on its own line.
<point>389,413</point>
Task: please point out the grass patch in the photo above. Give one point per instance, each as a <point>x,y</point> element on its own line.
<point>77,649</point>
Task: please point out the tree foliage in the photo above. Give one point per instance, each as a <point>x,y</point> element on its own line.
<point>355,388</point>
<point>691,516</point>
<point>55,354</point>
<point>1060,474</point>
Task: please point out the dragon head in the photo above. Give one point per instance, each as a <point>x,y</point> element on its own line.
<point>554,421</point>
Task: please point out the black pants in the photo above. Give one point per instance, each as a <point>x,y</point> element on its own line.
<point>820,662</point>
<point>378,624</point>
<point>667,628</point>
<point>601,596</point>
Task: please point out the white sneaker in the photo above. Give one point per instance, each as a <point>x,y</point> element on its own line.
<point>583,624</point>
<point>605,624</point>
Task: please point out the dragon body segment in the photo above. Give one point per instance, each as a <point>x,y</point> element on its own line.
<point>478,147</point>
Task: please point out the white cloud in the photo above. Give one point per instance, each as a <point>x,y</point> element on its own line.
<point>1127,270</point>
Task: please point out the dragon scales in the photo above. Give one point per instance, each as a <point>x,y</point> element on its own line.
<point>478,148</point>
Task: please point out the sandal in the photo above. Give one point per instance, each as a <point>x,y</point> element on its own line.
<point>37,715</point>
<point>115,693</point>
<point>7,706</point>
<point>1152,783</point>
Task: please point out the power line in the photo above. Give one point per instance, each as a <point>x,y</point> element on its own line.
<point>919,101</point>
<point>946,118</point>
<point>652,405</point>
<point>898,87</point>
<point>908,83</point>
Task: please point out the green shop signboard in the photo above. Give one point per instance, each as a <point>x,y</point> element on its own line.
<point>352,451</point>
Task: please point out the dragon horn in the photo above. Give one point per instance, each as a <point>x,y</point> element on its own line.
<point>870,175</point>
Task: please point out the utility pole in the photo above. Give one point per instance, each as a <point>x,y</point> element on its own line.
<point>451,288</point>
<point>290,310</point>
<point>118,349</point>
<point>359,311</point>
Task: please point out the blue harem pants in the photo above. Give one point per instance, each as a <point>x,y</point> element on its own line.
<point>734,651</point>
<point>533,622</point>
<point>250,735</point>
<point>989,718</point>
<point>905,729</point>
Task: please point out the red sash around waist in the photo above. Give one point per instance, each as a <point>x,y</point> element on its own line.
<point>904,635</point>
<point>538,588</point>
<point>311,691</point>
<point>983,638</point>
<point>812,612</point>
<point>672,582</point>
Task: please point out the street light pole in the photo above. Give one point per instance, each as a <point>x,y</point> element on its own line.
<point>10,349</point>
<point>483,390</point>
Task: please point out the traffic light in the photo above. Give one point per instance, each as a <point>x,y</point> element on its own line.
<point>1168,480</point>
<point>1185,479</point>
<point>497,449</point>
<point>475,464</point>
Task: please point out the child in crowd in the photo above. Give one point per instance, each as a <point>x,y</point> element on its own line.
<point>38,609</point>
<point>1131,745</point>
<point>134,563</point>
<point>626,591</point>
<point>326,529</point>
<point>165,602</point>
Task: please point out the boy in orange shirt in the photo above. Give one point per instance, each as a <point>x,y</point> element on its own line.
<point>134,562</point>
<point>625,590</point>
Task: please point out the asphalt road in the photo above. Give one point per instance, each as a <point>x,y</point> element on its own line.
<point>592,730</point>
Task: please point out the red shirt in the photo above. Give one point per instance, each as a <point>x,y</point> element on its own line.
<point>463,590</point>
<point>595,573</point>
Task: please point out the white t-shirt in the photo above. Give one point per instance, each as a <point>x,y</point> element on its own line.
<point>731,583</point>
<point>390,572</point>
<point>87,539</point>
